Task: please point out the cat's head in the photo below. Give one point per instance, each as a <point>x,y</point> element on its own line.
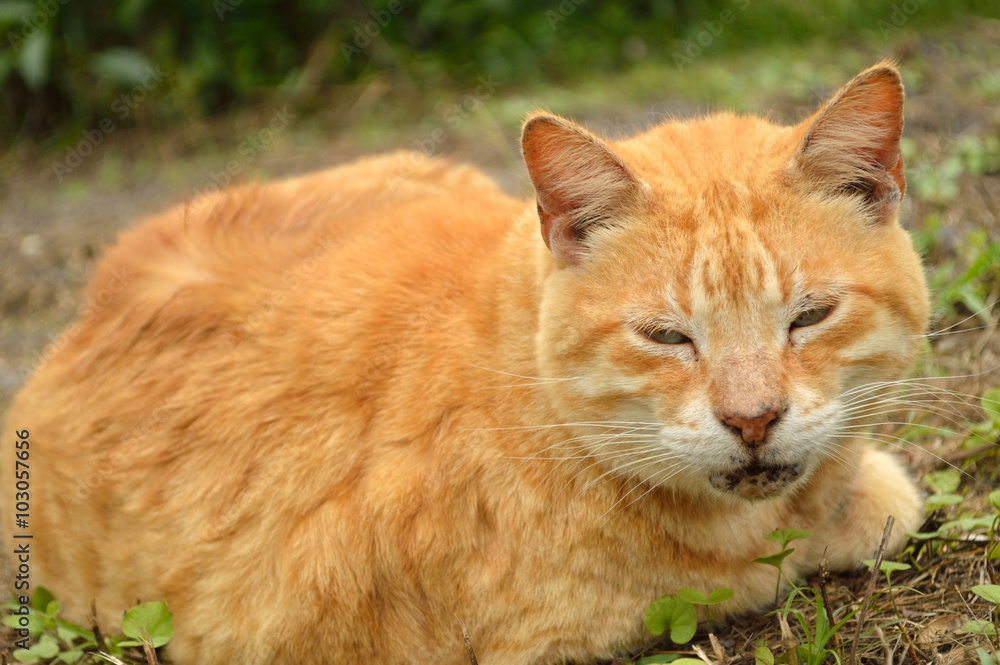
<point>725,294</point>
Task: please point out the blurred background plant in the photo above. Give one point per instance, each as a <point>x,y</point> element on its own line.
<point>63,63</point>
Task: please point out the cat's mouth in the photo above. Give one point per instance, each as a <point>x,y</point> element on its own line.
<point>757,481</point>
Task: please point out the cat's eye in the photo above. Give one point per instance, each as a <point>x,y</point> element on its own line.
<point>811,317</point>
<point>668,337</point>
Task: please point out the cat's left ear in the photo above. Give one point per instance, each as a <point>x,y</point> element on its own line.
<point>851,145</point>
<point>580,181</point>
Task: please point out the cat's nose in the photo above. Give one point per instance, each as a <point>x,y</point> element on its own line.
<point>753,428</point>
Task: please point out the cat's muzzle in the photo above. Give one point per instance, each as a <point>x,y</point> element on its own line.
<point>757,481</point>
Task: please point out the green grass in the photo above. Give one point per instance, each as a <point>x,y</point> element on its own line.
<point>42,637</point>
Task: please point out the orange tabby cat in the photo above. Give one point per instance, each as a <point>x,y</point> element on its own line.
<point>329,419</point>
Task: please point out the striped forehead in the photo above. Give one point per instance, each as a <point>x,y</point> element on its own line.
<point>733,267</point>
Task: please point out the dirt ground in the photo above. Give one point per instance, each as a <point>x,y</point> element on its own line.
<point>52,230</point>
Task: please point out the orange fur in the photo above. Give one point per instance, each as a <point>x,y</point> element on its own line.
<point>328,418</point>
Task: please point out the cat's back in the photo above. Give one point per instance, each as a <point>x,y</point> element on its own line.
<point>222,343</point>
<point>233,285</point>
<point>234,243</point>
<point>219,269</point>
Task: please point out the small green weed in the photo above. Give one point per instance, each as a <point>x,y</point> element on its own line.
<point>698,598</point>
<point>888,568</point>
<point>965,154</point>
<point>945,485</point>
<point>965,276</point>
<point>673,613</point>
<point>782,537</point>
<point>973,286</point>
<point>811,644</point>
<point>814,642</point>
<point>987,629</point>
<point>677,614</point>
<point>672,658</point>
<point>987,430</point>
<point>59,641</point>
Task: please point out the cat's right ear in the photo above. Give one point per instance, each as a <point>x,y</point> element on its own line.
<point>580,181</point>
<point>852,144</point>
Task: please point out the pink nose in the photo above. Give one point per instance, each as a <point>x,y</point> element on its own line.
<point>753,429</point>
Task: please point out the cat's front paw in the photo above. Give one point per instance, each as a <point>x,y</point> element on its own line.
<point>881,487</point>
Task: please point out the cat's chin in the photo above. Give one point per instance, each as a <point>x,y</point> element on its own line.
<point>757,481</point>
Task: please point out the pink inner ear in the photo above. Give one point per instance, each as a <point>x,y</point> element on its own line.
<point>554,198</point>
<point>856,136</point>
<point>543,154</point>
<point>576,177</point>
<point>556,154</point>
<point>884,95</point>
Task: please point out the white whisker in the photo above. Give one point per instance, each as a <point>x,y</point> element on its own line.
<point>987,308</point>
<point>902,443</point>
<point>894,404</point>
<point>521,376</point>
<point>539,382</point>
<point>608,424</point>
<point>642,463</point>
<point>915,381</point>
<point>870,417</point>
<point>652,486</point>
<point>942,333</point>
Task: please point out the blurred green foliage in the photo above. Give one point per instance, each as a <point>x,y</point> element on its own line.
<point>67,64</point>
